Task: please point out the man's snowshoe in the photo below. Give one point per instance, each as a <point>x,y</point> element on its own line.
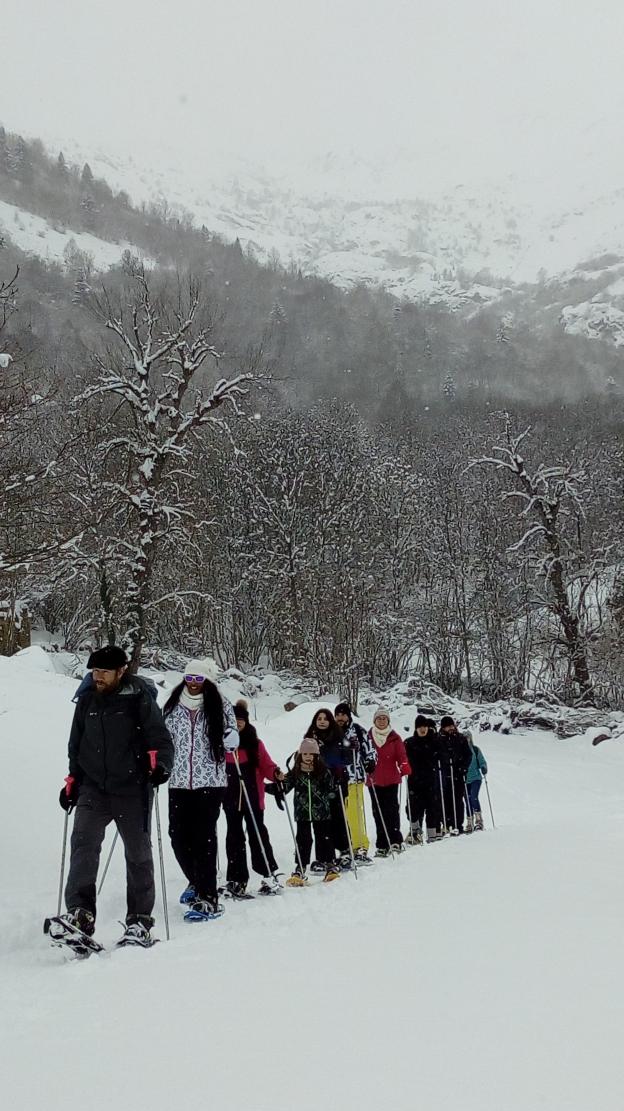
<point>64,932</point>
<point>398,848</point>
<point>188,896</point>
<point>382,853</point>
<point>345,863</point>
<point>137,933</point>
<point>362,859</point>
<point>317,866</point>
<point>332,873</point>
<point>204,910</point>
<point>297,879</point>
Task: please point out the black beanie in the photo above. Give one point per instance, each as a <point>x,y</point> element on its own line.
<point>344,708</point>
<point>446,721</point>
<point>421,722</point>
<point>108,658</point>
<point>241,710</point>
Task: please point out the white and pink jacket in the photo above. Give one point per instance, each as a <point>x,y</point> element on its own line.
<point>194,765</point>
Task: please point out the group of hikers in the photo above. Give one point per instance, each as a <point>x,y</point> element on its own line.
<point>122,747</point>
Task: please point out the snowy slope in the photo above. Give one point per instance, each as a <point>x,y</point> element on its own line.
<point>482,973</point>
<point>35,236</point>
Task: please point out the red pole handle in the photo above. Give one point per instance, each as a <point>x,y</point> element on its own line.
<point>152,753</point>
<point>69,781</point>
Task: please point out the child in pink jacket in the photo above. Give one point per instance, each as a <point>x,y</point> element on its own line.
<point>383,784</point>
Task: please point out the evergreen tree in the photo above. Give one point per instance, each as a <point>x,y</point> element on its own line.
<point>61,164</point>
<point>86,177</point>
<point>4,151</point>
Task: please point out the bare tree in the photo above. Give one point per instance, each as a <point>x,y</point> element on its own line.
<point>552,508</point>
<point>151,378</point>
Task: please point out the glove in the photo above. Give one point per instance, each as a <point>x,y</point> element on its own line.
<point>369,766</point>
<point>158,775</point>
<point>275,790</point>
<point>69,795</point>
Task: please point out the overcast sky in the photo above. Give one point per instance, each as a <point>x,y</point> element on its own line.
<point>472,87</point>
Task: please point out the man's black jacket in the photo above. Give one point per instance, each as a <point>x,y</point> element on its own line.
<point>111,735</point>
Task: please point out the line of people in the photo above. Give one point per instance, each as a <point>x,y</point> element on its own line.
<point>208,752</point>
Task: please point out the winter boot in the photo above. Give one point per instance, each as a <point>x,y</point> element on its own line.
<point>398,848</point>
<point>469,824</point>
<point>297,879</point>
<point>235,890</point>
<point>433,834</point>
<point>332,872</point>
<point>478,820</point>
<point>137,931</point>
<point>382,853</point>
<point>345,863</point>
<point>362,859</point>
<point>414,836</point>
<point>188,896</point>
<point>204,910</point>
<point>81,920</point>
<point>317,866</point>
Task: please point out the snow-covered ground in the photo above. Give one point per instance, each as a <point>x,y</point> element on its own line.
<point>482,973</point>
<point>35,236</point>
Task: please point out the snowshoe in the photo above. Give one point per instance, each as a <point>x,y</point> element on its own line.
<point>137,933</point>
<point>478,821</point>
<point>398,848</point>
<point>362,859</point>
<point>270,886</point>
<point>332,873</point>
<point>297,879</point>
<point>64,931</point>
<point>188,896</point>
<point>204,910</point>
<point>238,891</point>
<point>414,837</point>
<point>317,866</point>
<point>382,853</point>
<point>345,863</point>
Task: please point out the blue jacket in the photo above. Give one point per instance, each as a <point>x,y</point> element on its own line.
<point>478,765</point>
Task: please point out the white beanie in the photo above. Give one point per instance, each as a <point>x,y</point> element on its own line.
<point>381,710</point>
<point>207,668</point>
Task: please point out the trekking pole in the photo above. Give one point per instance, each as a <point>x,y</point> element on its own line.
<point>346,822</point>
<point>251,814</point>
<point>469,809</point>
<point>442,796</point>
<point>383,820</point>
<point>69,779</point>
<point>292,830</point>
<point>453,794</point>
<point>110,857</point>
<point>485,780</point>
<point>152,753</point>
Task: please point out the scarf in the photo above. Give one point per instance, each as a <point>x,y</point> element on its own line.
<point>380,736</point>
<point>192,702</point>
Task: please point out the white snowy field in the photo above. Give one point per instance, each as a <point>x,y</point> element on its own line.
<point>483,973</point>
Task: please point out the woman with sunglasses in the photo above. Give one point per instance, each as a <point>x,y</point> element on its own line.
<point>203,728</point>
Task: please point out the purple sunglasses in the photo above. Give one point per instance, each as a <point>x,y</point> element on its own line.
<point>194,678</point>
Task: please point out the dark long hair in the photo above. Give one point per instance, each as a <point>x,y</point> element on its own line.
<point>329,737</point>
<point>213,715</point>
<point>248,741</point>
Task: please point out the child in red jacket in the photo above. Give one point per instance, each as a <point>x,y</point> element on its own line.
<point>392,765</point>
<point>256,766</point>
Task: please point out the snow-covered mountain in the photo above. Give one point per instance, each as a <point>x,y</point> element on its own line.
<point>382,223</point>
